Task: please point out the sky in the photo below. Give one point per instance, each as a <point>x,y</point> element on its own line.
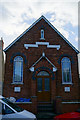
<point>16,16</point>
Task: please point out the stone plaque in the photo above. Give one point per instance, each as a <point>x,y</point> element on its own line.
<point>17,89</point>
<point>67,89</point>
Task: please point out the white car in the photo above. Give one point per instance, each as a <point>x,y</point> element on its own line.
<point>9,111</point>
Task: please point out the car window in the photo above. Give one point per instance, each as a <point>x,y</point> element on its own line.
<point>15,107</point>
<point>6,109</point>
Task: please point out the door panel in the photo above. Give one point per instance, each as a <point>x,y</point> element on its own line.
<point>46,84</point>
<point>39,84</point>
<point>43,88</point>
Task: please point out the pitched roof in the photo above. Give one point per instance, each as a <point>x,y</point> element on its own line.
<point>42,17</point>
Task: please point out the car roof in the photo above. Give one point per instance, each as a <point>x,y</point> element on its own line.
<point>69,115</point>
<point>1,97</point>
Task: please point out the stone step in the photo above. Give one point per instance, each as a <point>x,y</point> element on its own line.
<point>45,105</point>
<point>46,108</point>
<point>44,116</point>
<point>45,112</point>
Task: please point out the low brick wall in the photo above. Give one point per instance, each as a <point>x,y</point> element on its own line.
<point>70,107</point>
<point>25,105</point>
<point>30,106</point>
<point>66,106</point>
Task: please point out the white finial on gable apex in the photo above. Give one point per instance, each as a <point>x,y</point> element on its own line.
<point>43,54</point>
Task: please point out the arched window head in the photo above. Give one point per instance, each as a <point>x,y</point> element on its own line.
<point>18,69</point>
<point>66,70</point>
<point>42,34</point>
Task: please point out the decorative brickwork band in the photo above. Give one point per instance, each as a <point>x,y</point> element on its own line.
<point>65,55</point>
<point>18,54</point>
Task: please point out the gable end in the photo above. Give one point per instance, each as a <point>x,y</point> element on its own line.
<point>42,17</point>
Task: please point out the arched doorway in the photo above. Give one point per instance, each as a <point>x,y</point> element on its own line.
<point>43,86</point>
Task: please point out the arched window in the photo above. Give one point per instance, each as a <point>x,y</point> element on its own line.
<point>18,69</point>
<point>66,70</point>
<point>43,73</point>
<point>42,34</point>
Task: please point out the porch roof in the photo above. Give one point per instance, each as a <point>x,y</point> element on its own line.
<point>43,56</point>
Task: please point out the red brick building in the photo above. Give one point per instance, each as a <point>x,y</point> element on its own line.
<point>41,64</point>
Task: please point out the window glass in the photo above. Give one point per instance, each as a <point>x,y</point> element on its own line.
<point>39,84</point>
<point>6,109</point>
<point>42,34</point>
<point>66,70</point>
<point>46,84</point>
<point>18,69</point>
<point>43,73</point>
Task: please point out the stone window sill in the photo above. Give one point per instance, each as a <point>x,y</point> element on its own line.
<point>42,38</point>
<point>17,83</point>
<point>67,83</point>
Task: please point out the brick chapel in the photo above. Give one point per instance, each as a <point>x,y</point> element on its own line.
<point>41,64</point>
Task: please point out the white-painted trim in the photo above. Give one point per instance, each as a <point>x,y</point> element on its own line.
<point>43,54</point>
<point>50,62</point>
<point>70,102</point>
<point>54,46</point>
<point>42,43</point>
<point>30,45</point>
<point>32,69</point>
<point>42,17</point>
<point>37,61</point>
<point>54,69</point>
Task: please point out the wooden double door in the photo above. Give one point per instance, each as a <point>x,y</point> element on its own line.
<point>43,87</point>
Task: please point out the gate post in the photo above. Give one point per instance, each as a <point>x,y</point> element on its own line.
<point>58,104</point>
<point>34,104</point>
